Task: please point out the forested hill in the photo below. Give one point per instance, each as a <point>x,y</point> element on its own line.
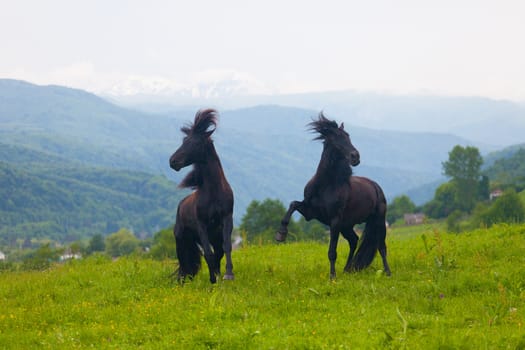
<point>51,197</point>
<point>505,153</point>
<point>507,167</point>
<point>80,126</point>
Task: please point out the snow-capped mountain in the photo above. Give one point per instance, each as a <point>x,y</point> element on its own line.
<point>202,85</point>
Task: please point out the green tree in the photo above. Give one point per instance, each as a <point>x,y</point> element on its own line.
<point>41,258</point>
<point>453,221</point>
<point>464,167</point>
<point>76,247</point>
<point>96,244</point>
<point>484,188</point>
<point>164,245</point>
<point>262,219</point>
<point>400,205</point>
<point>121,243</point>
<point>507,208</point>
<point>445,201</point>
<point>311,230</point>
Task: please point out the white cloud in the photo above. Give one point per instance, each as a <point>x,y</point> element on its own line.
<point>77,71</point>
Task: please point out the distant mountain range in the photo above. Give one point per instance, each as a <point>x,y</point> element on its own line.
<point>266,150</point>
<point>492,124</point>
<point>207,85</point>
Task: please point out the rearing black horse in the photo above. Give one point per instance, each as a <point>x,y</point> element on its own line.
<point>337,199</point>
<point>204,218</point>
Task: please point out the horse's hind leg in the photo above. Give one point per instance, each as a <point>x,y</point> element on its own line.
<point>382,252</point>
<point>380,226</point>
<point>352,239</point>
<point>209,256</point>
<point>227,246</point>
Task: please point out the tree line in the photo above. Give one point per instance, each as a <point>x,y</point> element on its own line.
<point>121,243</point>
<point>464,201</point>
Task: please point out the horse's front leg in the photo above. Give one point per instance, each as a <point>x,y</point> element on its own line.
<point>280,236</point>
<point>227,246</point>
<point>209,256</point>
<point>332,249</point>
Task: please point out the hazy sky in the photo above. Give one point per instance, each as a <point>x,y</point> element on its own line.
<point>273,46</point>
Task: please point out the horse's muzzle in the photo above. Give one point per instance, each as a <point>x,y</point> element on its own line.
<point>175,166</point>
<point>355,159</point>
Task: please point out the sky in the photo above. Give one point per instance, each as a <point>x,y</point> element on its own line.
<point>458,47</point>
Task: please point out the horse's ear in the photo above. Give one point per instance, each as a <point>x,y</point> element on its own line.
<point>342,127</point>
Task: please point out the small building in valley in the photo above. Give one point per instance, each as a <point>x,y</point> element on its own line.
<point>414,218</point>
<point>495,194</point>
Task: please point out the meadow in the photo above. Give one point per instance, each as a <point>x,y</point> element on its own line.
<point>447,291</point>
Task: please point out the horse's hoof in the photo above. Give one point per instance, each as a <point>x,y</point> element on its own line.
<point>280,237</point>
<point>228,277</point>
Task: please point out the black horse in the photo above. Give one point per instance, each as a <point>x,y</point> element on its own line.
<point>204,218</point>
<point>337,199</point>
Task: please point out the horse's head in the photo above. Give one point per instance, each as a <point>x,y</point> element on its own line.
<point>336,137</point>
<point>195,144</point>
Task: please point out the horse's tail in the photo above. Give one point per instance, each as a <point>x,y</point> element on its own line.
<point>374,234</point>
<point>189,255</point>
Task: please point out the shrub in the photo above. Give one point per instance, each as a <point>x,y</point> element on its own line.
<point>507,208</point>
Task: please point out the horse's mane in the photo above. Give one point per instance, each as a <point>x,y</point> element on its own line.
<point>203,120</point>
<point>192,180</point>
<point>323,126</point>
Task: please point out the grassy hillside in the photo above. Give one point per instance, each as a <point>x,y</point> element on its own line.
<point>446,291</point>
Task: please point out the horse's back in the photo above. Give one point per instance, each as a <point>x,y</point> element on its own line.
<point>366,187</point>
<point>366,198</point>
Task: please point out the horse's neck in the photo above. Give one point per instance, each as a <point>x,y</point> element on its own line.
<point>211,171</point>
<point>332,168</point>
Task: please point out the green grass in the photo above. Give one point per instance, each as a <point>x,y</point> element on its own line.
<point>446,291</point>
